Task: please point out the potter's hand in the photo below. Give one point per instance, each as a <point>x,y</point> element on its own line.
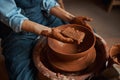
<point>81,20</point>
<point>56,34</point>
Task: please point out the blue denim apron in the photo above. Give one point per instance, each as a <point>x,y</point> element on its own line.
<point>17,47</point>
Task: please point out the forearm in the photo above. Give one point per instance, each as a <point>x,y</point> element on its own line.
<point>36,28</point>
<point>61,13</point>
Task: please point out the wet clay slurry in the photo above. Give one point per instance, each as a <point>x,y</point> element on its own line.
<point>74,34</point>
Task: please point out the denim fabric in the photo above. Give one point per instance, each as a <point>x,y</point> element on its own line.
<point>17,47</point>
<point>10,14</point>
<point>14,12</point>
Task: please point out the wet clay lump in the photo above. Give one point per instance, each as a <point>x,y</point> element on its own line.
<point>74,34</point>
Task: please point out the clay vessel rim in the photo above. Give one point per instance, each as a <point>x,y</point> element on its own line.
<point>76,54</point>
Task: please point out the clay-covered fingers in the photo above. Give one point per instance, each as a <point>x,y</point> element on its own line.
<point>85,18</point>
<point>56,33</point>
<point>80,19</point>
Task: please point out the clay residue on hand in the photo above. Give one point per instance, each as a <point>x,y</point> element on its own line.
<point>74,34</point>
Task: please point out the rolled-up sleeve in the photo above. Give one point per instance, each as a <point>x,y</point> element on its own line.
<point>48,4</point>
<point>11,15</point>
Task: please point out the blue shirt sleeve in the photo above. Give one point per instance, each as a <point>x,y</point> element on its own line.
<point>48,4</point>
<point>11,15</point>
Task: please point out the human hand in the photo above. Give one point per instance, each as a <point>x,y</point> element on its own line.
<point>56,34</point>
<point>82,20</point>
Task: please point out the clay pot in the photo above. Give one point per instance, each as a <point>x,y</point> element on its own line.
<point>70,57</point>
<point>72,65</point>
<point>46,73</point>
<point>115,53</point>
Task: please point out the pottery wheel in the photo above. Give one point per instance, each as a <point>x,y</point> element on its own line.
<point>46,72</point>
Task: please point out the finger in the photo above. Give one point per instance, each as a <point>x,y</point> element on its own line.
<point>64,39</point>
<point>60,37</point>
<point>45,33</point>
<point>83,23</point>
<point>86,18</point>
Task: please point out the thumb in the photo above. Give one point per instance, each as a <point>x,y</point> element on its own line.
<point>87,18</point>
